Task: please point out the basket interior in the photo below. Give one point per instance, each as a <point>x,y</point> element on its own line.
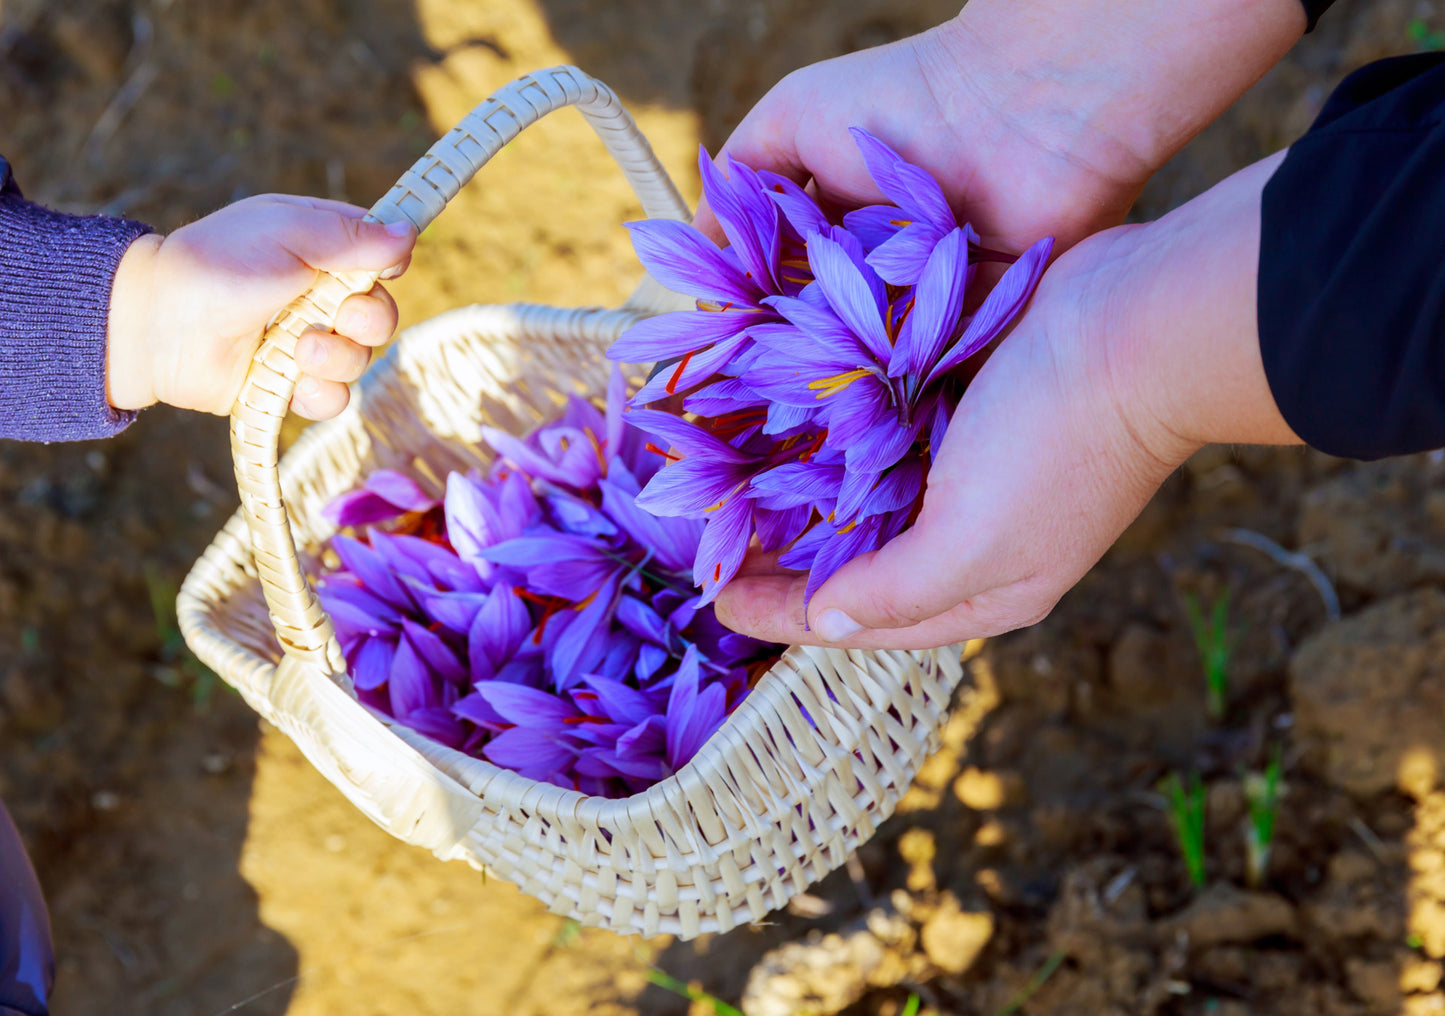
<point>816,755</point>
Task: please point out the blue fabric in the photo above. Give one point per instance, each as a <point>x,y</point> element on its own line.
<point>56,273</point>
<point>27,961</point>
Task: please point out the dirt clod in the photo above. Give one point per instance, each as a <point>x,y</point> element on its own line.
<point>1224,914</point>
<point>1368,693</point>
<point>953,937</point>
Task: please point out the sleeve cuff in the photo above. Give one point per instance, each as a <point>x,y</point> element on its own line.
<point>56,274</point>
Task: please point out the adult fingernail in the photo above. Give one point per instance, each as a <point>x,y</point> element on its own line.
<point>834,626</point>
<point>307,386</point>
<point>313,355</point>
<point>394,272</point>
<point>401,228</point>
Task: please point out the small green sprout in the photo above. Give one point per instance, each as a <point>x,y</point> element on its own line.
<point>1423,37</point>
<point>1185,805</point>
<point>1215,642</point>
<point>911,1007</point>
<point>1034,984</point>
<point>672,984</point>
<point>178,664</point>
<point>1261,791</point>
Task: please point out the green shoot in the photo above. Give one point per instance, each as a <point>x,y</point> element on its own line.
<point>1034,984</point>
<point>567,934</point>
<point>672,984</point>
<point>1422,36</point>
<point>1261,791</point>
<point>1215,643</point>
<point>911,1007</point>
<point>1186,816</point>
<point>178,664</point>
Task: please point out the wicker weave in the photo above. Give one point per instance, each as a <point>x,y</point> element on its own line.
<point>801,773</point>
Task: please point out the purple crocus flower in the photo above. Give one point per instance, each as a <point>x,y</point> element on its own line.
<point>815,431</point>
<point>731,285</point>
<point>385,495</point>
<point>538,616</point>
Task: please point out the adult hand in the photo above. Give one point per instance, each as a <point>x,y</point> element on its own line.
<point>1140,346</point>
<point>188,310</point>
<point>1039,117</point>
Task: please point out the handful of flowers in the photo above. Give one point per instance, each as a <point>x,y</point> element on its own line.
<point>820,364</point>
<point>535,616</point>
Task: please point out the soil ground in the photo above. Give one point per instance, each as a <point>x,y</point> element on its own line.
<point>196,864</point>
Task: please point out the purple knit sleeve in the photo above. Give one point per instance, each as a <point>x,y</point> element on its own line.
<point>56,273</point>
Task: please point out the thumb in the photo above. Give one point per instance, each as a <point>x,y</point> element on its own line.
<point>336,238</point>
<point>919,574</point>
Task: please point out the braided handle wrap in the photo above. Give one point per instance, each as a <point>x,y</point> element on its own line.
<point>304,630</point>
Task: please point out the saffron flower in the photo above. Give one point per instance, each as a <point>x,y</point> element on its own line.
<point>535,616</point>
<point>820,370</point>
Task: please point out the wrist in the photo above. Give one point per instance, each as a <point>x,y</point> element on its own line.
<point>128,381</point>
<point>1182,331</point>
<point>1119,87</point>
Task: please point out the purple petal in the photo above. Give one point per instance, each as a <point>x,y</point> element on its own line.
<point>437,655</point>
<point>874,225</point>
<point>854,291</point>
<point>527,707</point>
<point>796,483</point>
<point>400,490</point>
<point>372,570</point>
<point>359,508</point>
<point>748,219</point>
<point>585,638</point>
<point>535,754</point>
<point>619,702</point>
<point>686,262</point>
<point>901,259</point>
<point>437,723</point>
<point>673,541</point>
<point>691,370</point>
<point>999,308</point>
<point>912,189</point>
<point>691,486</point>
<point>686,437</point>
<point>372,664</point>
<point>723,545</point>
<point>476,709</point>
<point>647,738</point>
<point>410,684</point>
<point>779,528</point>
<point>473,523</point>
<point>500,626</point>
<point>937,303</point>
<point>801,211</point>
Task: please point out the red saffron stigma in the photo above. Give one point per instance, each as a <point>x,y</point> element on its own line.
<point>671,386</point>
<point>669,456</point>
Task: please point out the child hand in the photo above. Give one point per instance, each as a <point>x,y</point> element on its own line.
<point>188,310</point>
<point>1140,346</point>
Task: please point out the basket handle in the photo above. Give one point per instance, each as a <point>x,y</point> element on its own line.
<point>302,626</point>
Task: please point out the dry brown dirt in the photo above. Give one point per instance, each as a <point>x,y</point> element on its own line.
<point>196,865</point>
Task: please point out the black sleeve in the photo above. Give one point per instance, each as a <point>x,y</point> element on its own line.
<point>1313,10</point>
<point>1352,266</point>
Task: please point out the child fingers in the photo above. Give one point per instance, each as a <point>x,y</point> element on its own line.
<point>369,319</point>
<point>318,399</point>
<point>329,357</point>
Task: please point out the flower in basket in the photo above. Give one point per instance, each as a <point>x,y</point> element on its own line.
<point>821,366</point>
<point>535,616</point>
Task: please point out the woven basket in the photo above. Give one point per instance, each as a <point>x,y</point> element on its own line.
<point>775,800</point>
